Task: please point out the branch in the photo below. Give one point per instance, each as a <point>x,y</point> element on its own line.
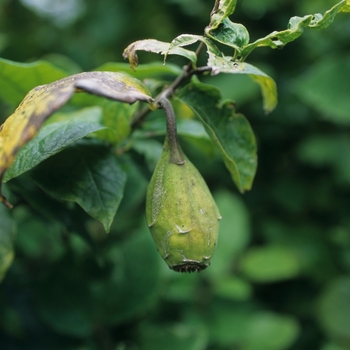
<point>169,92</point>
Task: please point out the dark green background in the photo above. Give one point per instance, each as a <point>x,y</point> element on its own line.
<point>280,278</point>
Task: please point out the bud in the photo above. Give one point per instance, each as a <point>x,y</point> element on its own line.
<point>181,213</point>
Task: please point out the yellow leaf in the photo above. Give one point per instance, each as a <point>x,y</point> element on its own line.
<point>44,100</point>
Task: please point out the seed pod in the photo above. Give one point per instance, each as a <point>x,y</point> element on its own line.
<point>181,213</point>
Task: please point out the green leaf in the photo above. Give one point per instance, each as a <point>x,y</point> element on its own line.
<point>220,64</point>
<point>6,241</point>
<point>334,309</point>
<point>266,83</point>
<point>183,40</point>
<point>63,300</point>
<point>232,326</point>
<point>150,149</point>
<point>174,337</point>
<point>117,118</point>
<point>323,88</point>
<point>232,288</point>
<point>328,150</point>
<point>58,133</point>
<point>270,263</point>
<point>230,131</point>
<point>76,294</point>
<point>155,46</point>
<point>346,6</point>
<point>88,174</point>
<point>271,331</point>
<point>222,9</point>
<point>234,234</point>
<point>35,241</point>
<point>231,34</point>
<point>227,323</point>
<point>333,346</point>
<point>16,79</point>
<point>296,27</point>
<point>134,282</point>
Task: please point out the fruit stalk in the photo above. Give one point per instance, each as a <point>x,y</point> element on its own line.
<point>176,154</point>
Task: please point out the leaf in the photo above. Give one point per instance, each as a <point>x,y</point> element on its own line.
<point>76,294</point>
<point>6,241</point>
<point>150,149</point>
<point>134,283</point>
<point>334,309</point>
<point>345,7</point>
<point>230,131</point>
<point>323,88</point>
<point>62,294</point>
<point>220,64</point>
<point>296,27</point>
<point>16,79</point>
<point>54,137</point>
<point>231,34</point>
<point>271,331</point>
<point>232,288</point>
<point>234,234</point>
<point>232,325</point>
<point>267,84</point>
<point>328,150</point>
<point>222,9</point>
<point>270,264</point>
<point>155,46</point>
<point>44,100</point>
<point>117,118</point>
<point>174,337</point>
<point>183,40</point>
<point>88,174</point>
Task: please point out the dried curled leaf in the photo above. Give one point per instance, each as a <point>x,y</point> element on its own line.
<point>155,46</point>
<point>44,100</point>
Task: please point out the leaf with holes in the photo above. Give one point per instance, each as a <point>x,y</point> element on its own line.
<point>220,64</point>
<point>296,27</point>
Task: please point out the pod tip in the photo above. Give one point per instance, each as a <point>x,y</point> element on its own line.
<point>189,267</point>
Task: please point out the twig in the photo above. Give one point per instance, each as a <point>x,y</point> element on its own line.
<point>170,91</point>
<point>187,72</point>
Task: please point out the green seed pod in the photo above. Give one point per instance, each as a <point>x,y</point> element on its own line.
<point>181,213</point>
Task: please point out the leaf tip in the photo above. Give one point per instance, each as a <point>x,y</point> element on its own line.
<point>130,54</point>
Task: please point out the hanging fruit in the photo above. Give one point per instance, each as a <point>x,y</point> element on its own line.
<point>181,213</point>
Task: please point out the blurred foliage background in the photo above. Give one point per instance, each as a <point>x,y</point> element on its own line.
<point>280,278</point>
